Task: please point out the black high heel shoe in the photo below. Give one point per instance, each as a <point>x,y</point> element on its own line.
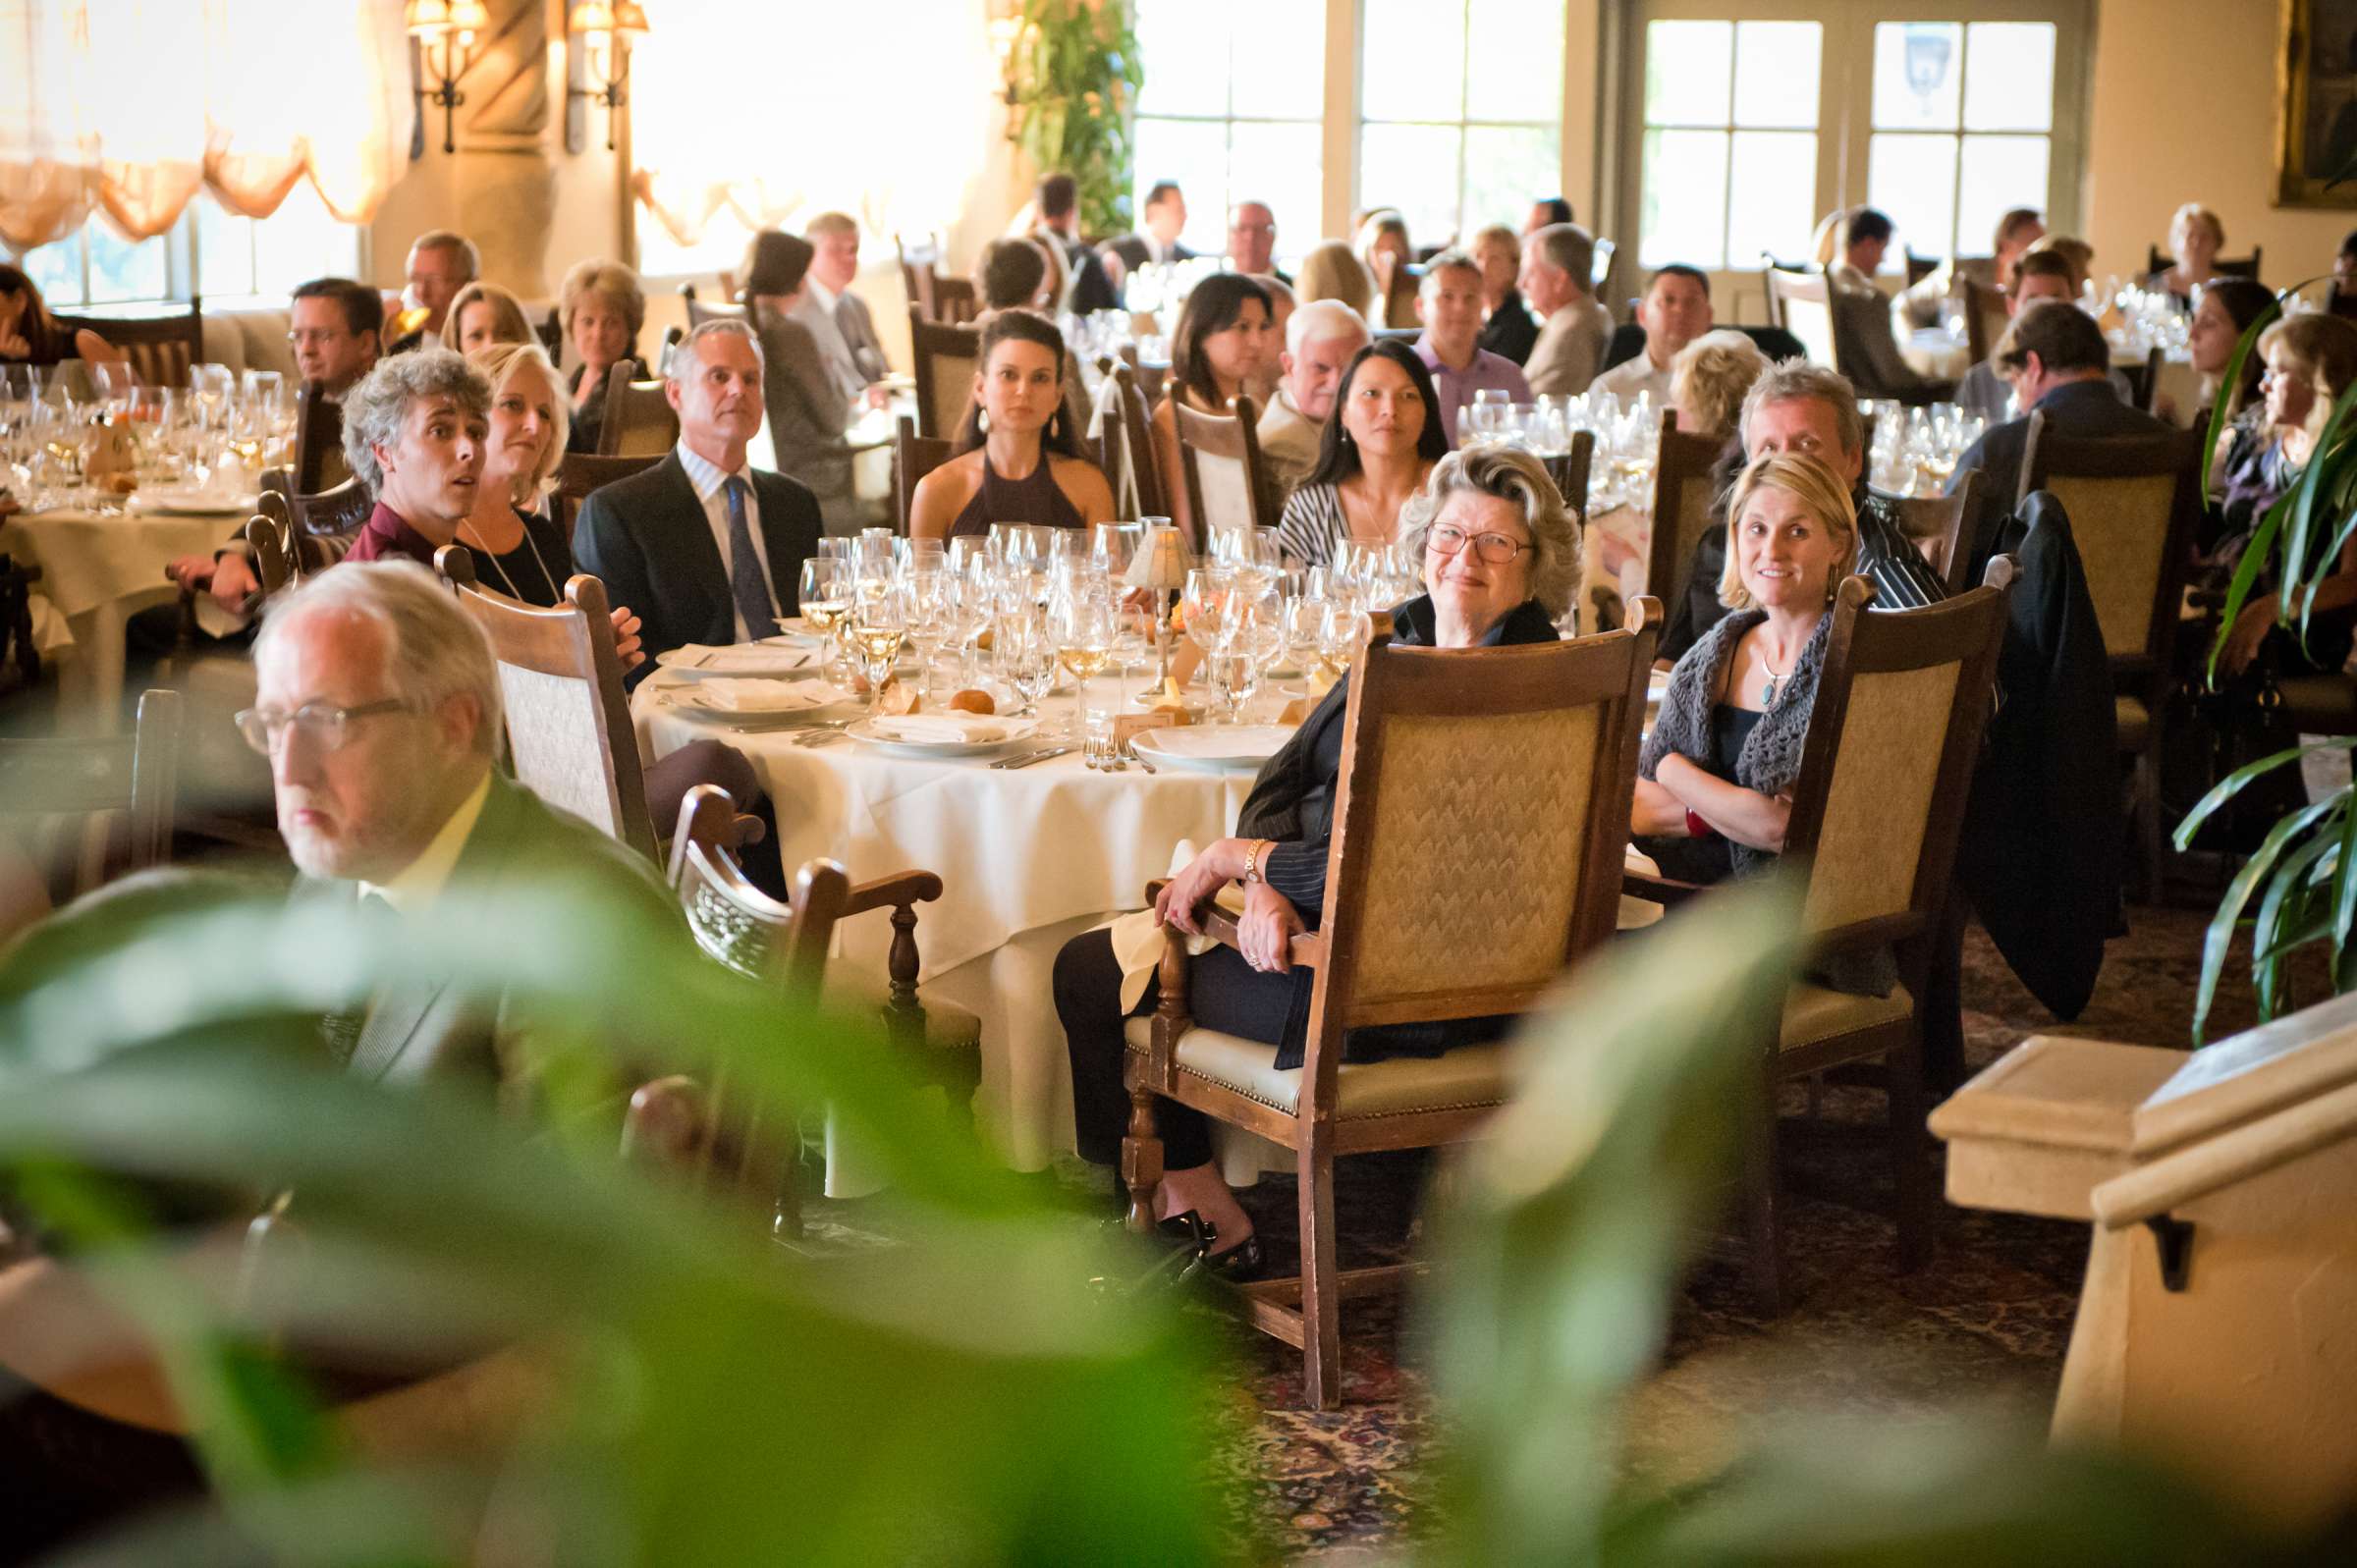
<point>1238,1264</point>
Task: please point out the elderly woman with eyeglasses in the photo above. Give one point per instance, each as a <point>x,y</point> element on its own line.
<point>1714,778</point>
<point>1500,559</point>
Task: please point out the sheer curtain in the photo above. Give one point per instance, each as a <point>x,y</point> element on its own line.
<point>127,107</point>
<point>766,111</point>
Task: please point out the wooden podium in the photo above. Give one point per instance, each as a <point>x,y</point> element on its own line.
<point>2217,1325</point>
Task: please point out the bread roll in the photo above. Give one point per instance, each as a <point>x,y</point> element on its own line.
<point>974,700</point>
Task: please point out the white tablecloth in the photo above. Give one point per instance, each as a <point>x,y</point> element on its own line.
<point>1028,859</point>
<point>95,572</point>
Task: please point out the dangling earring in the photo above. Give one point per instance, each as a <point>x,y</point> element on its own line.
<point>983,420</point>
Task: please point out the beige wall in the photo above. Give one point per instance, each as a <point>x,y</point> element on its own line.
<point>2184,110</point>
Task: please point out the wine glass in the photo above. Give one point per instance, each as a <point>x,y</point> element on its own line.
<point>1203,607</point>
<point>1112,548</point>
<point>933,619</point>
<point>1025,654</point>
<point>212,384</point>
<point>1342,630</point>
<point>1086,623</point>
<point>879,631</point>
<point>824,595</point>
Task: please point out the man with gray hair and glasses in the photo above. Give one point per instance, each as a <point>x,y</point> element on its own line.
<point>1809,410</point>
<point>704,546</point>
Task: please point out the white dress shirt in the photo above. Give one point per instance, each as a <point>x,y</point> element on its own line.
<point>710,482</point>
<point>1634,376</point>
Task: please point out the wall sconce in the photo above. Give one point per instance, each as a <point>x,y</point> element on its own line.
<point>602,33</point>
<point>450,25</point>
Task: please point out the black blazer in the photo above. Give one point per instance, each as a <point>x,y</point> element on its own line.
<point>2074,408</point>
<point>647,539</point>
<point>1091,287</point>
<point>1135,248</point>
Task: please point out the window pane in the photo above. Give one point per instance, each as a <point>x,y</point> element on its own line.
<point>1775,73</point>
<point>1688,66</point>
<point>1279,58</point>
<point>1506,168</point>
<point>1686,194</point>
<point>1771,194</point>
<point>224,250</point>
<point>1195,154</point>
<point>56,270</point>
<point>302,241</point>
<point>1515,51</point>
<point>1999,173</point>
<point>121,270</point>
<point>1412,62</point>
<point>1915,75</point>
<point>721,248</point>
<point>1277,164</point>
<point>1913,179</point>
<point>1413,168</point>
<point>1185,46</point>
<point>2009,77</point>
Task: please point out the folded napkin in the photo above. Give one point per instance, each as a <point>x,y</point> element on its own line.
<point>942,729</point>
<point>738,659</point>
<point>733,695</point>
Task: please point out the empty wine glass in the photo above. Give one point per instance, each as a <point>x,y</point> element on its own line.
<point>1025,654</point>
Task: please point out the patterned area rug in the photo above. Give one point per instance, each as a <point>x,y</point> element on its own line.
<point>1983,1326</point>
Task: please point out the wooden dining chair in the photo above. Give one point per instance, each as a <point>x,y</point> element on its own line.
<point>945,359</point>
<point>2155,259</point>
<point>1919,267</point>
<point>569,736</point>
<point>912,458</point>
<point>319,440</point>
<point>271,550</point>
<point>161,346</point>
<point>1942,526</point>
<point>1877,808</point>
<point>957,302</point>
<point>581,472</point>
<point>638,420</point>
<point>920,262</point>
<point>1228,482</point>
<point>2144,380</point>
<point>68,794</point>
<point>1433,912</point>
<point>322,527</point>
<point>2133,504</point>
<point>1126,450</point>
<point>1682,494</point>
<point>1983,317</point>
<point>1801,302</point>
<point>698,312</point>
<point>1570,469</point>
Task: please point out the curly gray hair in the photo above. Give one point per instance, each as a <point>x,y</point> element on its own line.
<point>1511,475</point>
<point>373,410</point>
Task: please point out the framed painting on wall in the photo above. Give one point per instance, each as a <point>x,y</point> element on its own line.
<point>2316,104</point>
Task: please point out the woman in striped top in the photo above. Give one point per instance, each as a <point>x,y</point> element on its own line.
<point>1379,445</point>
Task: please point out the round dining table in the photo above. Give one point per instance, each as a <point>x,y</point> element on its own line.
<point>1028,857</point>
<point>98,567</point>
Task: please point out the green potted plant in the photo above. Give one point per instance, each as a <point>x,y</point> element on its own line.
<point>1072,80</point>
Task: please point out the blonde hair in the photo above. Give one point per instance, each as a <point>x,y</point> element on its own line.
<point>508,323</point>
<point>1333,271</point>
<point>1497,234</point>
<point>499,363</point>
<point>2186,216</point>
<point>2077,254</point>
<point>612,284</point>
<point>1710,379</point>
<point>1817,487</point>
<point>2322,347</point>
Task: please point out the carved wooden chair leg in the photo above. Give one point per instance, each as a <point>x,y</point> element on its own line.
<point>1910,1157</point>
<point>1142,1160</point>
<point>1762,1223</point>
<point>1321,1284</point>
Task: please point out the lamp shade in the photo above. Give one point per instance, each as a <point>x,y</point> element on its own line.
<point>589,16</point>
<point>630,18</point>
<point>1161,560</point>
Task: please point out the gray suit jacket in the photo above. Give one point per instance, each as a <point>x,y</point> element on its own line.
<point>427,1027</point>
<point>847,341</point>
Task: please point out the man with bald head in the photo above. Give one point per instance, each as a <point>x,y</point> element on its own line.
<point>1252,241</point>
<point>1320,342</point>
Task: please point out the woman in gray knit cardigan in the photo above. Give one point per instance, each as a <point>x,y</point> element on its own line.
<point>1715,778</point>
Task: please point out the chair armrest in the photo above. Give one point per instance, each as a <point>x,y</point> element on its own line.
<point>1667,892</point>
<point>1307,949</point>
<point>897,890</point>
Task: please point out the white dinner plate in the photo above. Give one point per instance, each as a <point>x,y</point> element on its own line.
<point>697,661</point>
<point>794,630</point>
<point>188,504</point>
<point>757,700</point>
<point>1214,748</point>
<point>912,736</point>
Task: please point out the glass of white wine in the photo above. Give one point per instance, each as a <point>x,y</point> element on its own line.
<point>1087,625</point>
<point>1344,630</point>
<point>879,631</point>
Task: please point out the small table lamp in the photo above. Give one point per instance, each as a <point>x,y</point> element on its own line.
<point>1160,567</point>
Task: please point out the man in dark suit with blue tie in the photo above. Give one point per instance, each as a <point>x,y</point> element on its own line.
<point>705,547</point>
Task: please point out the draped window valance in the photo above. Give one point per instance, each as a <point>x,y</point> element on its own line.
<point>129,107</point>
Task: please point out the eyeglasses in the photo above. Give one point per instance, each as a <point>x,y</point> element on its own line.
<point>1497,549</point>
<point>323,726</point>
<point>316,335</point>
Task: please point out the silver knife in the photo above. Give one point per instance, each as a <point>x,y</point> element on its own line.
<point>1030,757</point>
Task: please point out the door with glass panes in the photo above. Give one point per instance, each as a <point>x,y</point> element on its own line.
<point>1756,119</point>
